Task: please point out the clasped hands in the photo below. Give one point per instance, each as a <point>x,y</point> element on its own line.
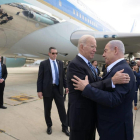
<point>118,78</point>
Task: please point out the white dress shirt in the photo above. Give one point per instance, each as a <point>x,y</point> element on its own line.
<point>53,70</point>
<point>83,58</point>
<point>112,65</point>
<point>113,86</point>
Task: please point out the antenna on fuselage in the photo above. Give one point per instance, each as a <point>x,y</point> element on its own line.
<point>133,26</point>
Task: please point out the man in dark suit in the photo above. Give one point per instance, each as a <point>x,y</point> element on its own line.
<point>95,66</point>
<point>3,76</point>
<point>138,63</point>
<point>81,110</point>
<point>50,84</point>
<point>114,106</point>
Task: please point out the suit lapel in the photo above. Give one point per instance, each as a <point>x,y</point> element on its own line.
<point>59,68</point>
<point>120,63</point>
<point>2,69</point>
<point>49,64</point>
<point>86,66</point>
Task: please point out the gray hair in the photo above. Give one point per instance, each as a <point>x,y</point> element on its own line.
<point>51,49</point>
<point>117,43</point>
<point>83,40</point>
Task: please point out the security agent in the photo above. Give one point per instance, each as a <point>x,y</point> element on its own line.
<point>3,76</point>
<point>136,71</point>
<point>50,84</point>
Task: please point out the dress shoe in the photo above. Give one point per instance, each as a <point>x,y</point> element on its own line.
<point>135,108</point>
<point>49,130</point>
<point>3,107</point>
<point>66,131</point>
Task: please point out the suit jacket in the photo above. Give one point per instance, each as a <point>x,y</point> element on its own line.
<point>114,108</point>
<point>137,74</point>
<point>4,72</point>
<point>98,71</point>
<point>45,80</point>
<point>82,111</point>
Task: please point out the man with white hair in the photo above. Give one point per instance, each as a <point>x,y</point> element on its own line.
<point>114,106</point>
<point>82,111</point>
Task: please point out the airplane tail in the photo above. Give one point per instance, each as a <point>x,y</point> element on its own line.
<point>133,26</point>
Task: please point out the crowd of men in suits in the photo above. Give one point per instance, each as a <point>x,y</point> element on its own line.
<point>135,66</point>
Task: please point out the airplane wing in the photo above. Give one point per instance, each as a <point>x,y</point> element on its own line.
<point>130,40</point>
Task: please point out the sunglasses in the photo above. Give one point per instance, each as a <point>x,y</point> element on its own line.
<point>54,53</point>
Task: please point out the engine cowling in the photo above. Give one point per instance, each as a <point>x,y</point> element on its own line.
<point>14,62</point>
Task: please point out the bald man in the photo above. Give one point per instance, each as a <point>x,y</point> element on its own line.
<point>82,111</point>
<point>114,106</point>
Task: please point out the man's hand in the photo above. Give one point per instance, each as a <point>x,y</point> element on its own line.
<point>80,84</point>
<point>1,80</point>
<point>120,78</point>
<point>67,90</point>
<point>40,95</point>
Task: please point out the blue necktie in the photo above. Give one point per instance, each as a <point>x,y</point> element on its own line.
<point>56,74</point>
<point>91,68</point>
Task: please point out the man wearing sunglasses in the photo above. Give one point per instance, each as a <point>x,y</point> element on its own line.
<point>51,80</point>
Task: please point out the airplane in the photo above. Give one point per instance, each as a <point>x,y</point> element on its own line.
<point>29,27</point>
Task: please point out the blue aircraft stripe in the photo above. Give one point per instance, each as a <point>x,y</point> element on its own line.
<point>67,7</point>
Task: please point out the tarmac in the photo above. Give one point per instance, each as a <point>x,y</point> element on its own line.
<point>24,117</point>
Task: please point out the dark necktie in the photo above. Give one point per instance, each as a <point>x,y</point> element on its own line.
<point>91,68</point>
<point>105,72</point>
<point>56,74</point>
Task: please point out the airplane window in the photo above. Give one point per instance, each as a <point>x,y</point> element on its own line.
<point>77,13</point>
<point>60,4</point>
<point>80,15</point>
<point>88,20</point>
<point>83,17</point>
<point>73,11</point>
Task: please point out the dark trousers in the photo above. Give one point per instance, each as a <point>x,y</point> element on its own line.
<point>1,93</point>
<point>59,101</point>
<point>82,135</point>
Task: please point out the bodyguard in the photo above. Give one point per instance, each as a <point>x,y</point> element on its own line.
<point>3,76</point>
<point>50,84</point>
